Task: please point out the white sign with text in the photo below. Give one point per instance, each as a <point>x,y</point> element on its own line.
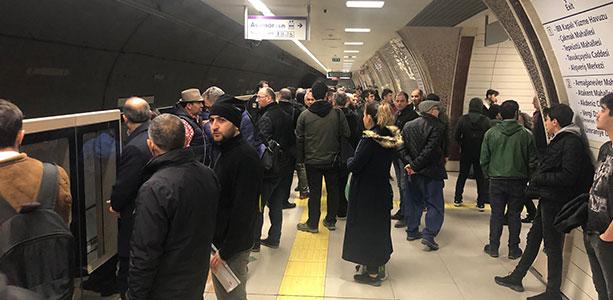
<point>276,28</point>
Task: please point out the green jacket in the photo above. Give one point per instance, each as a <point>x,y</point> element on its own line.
<point>508,151</point>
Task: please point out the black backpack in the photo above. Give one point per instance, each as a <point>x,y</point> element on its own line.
<point>36,246</point>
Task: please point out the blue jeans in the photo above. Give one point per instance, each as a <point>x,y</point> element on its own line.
<point>509,193</point>
<point>423,191</point>
<point>403,180</point>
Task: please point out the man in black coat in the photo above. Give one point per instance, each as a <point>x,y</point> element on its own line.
<point>134,156</point>
<point>240,173</point>
<point>559,179</point>
<point>406,113</point>
<point>469,134</point>
<point>174,220</point>
<point>276,128</point>
<point>424,161</point>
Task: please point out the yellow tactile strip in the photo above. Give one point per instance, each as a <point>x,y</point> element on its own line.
<point>305,274</point>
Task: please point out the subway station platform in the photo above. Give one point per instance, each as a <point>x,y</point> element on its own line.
<point>309,266</point>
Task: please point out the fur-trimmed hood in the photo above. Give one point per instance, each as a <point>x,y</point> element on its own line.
<point>391,137</point>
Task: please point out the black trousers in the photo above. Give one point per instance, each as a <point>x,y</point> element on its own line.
<point>314,176</point>
<point>342,203</point>
<point>600,254</point>
<point>510,194</point>
<point>466,162</point>
<point>542,230</point>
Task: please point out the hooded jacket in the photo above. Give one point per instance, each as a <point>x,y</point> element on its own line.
<point>508,151</point>
<point>471,128</point>
<point>317,134</point>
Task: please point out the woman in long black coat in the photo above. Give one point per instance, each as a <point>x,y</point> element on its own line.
<point>367,234</point>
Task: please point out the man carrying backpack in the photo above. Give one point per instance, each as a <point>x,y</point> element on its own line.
<point>38,194</point>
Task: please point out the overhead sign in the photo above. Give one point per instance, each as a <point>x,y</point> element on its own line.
<point>339,74</point>
<point>276,28</point>
<point>580,35</point>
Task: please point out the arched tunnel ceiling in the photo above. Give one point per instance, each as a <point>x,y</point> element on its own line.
<point>447,13</point>
<point>327,28</point>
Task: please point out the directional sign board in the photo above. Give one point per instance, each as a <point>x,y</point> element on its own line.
<point>339,74</point>
<point>276,28</point>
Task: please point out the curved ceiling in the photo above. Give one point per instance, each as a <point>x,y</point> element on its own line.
<point>328,21</point>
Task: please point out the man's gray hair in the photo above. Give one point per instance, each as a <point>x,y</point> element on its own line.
<point>340,99</point>
<point>167,132</point>
<point>213,93</point>
<point>140,114</point>
<point>285,94</point>
<point>270,92</point>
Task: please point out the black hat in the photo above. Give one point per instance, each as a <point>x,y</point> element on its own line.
<point>433,97</point>
<point>319,90</point>
<point>228,112</point>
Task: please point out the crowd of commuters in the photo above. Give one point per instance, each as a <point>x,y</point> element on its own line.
<point>197,181</point>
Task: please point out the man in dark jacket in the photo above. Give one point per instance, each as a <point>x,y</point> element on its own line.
<point>508,158</point>
<point>174,220</point>
<point>558,180</point>
<point>134,156</point>
<point>340,102</point>
<point>424,161</point>
<point>292,108</point>
<point>276,128</point>
<point>469,134</point>
<point>318,135</point>
<point>406,113</point>
<point>240,173</point>
<point>598,232</point>
<point>490,108</point>
<point>188,109</point>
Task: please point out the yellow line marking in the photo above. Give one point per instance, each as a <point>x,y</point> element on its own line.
<point>305,274</point>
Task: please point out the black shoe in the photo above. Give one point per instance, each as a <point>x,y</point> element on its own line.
<point>256,247</point>
<point>412,237</point>
<point>400,224</point>
<point>481,207</point>
<point>546,296</point>
<point>287,205</point>
<point>527,219</point>
<point>491,252</point>
<point>431,244</point>
<point>306,228</point>
<point>515,253</point>
<point>367,279</point>
<point>510,282</point>
<point>397,216</point>
<point>330,226</point>
<point>457,203</point>
<point>268,243</point>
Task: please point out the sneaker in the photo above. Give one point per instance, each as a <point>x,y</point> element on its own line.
<point>431,244</point>
<point>490,251</point>
<point>287,205</point>
<point>397,216</point>
<point>400,224</point>
<point>367,279</point>
<point>510,282</point>
<point>330,226</point>
<point>255,248</point>
<point>546,296</point>
<point>306,228</point>
<point>515,253</point>
<point>457,203</point>
<point>414,236</point>
<point>270,244</point>
<point>481,207</point>
<point>382,275</point>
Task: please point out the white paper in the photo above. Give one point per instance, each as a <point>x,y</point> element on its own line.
<point>225,276</point>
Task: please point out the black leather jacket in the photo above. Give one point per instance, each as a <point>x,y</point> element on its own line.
<point>423,146</point>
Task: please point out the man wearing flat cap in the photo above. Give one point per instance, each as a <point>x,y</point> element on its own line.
<point>240,173</point>
<point>424,160</point>
<point>188,109</point>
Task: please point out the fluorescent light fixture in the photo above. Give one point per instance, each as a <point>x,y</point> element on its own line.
<point>357,29</point>
<point>345,77</point>
<point>365,4</point>
<point>352,51</point>
<point>262,8</point>
<point>349,56</point>
<point>354,43</point>
<point>349,60</point>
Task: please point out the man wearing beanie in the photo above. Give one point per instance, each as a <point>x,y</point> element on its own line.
<point>240,172</point>
<point>424,160</point>
<point>318,135</point>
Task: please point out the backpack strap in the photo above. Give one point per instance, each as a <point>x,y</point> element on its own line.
<point>6,210</point>
<point>47,194</point>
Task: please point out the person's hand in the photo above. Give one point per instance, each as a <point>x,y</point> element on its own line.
<point>113,212</point>
<point>604,238</point>
<point>215,261</point>
<point>409,169</point>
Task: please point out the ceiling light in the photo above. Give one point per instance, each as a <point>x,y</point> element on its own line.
<point>350,56</point>
<point>365,4</point>
<point>354,43</point>
<point>352,51</point>
<point>357,29</point>
<point>349,60</point>
<point>346,78</point>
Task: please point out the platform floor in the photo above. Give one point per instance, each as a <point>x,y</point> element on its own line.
<point>309,266</point>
